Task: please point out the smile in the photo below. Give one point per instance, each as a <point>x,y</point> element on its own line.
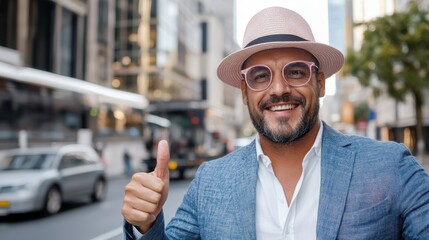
<point>283,107</point>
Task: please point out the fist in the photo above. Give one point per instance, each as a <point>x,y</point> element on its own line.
<point>146,193</point>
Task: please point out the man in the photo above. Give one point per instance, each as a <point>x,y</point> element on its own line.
<point>127,163</point>
<point>299,179</point>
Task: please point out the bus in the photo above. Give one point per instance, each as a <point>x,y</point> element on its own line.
<point>185,129</point>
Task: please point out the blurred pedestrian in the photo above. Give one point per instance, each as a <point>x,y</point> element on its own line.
<point>300,178</point>
<point>225,146</point>
<point>128,169</point>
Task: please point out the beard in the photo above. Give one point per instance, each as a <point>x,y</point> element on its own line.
<point>305,124</point>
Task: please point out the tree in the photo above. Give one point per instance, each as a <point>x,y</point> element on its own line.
<point>361,112</point>
<point>395,51</point>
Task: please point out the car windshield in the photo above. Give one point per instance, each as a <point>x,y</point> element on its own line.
<point>27,162</point>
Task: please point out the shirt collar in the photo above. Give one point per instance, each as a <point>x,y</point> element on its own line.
<point>316,148</point>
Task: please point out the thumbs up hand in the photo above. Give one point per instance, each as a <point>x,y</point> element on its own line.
<point>146,193</point>
<point>162,159</point>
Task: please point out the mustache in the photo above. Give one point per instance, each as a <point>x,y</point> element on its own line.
<point>278,99</point>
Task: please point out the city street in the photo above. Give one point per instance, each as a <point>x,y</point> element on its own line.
<point>83,220</point>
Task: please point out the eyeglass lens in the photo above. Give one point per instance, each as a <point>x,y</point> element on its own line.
<point>295,74</point>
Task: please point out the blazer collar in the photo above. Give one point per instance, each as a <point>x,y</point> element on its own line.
<point>244,185</point>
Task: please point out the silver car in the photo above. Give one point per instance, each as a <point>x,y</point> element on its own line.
<point>42,179</point>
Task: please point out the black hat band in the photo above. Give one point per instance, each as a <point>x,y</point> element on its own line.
<point>276,38</point>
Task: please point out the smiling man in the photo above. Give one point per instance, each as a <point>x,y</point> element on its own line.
<point>287,97</point>
<point>299,179</point>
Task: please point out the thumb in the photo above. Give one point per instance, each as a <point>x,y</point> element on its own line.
<point>162,159</point>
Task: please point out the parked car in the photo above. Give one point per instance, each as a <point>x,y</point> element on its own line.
<point>42,179</point>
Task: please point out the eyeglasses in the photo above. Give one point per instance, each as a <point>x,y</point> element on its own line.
<point>296,74</point>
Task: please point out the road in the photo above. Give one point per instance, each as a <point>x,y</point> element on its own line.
<point>83,220</point>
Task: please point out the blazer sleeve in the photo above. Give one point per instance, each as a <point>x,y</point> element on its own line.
<point>155,233</point>
<point>414,198</point>
<point>184,224</point>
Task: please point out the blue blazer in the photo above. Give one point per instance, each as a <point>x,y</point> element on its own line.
<point>369,190</point>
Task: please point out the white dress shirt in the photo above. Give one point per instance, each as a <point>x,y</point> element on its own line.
<point>275,219</point>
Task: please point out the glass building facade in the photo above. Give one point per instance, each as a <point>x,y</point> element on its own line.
<point>55,64</point>
<point>156,48</point>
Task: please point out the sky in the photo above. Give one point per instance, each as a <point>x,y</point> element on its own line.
<point>315,12</point>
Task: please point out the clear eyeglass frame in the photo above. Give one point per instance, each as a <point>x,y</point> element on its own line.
<point>267,84</point>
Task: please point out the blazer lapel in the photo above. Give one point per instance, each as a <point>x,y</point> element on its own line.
<point>245,191</point>
<point>336,171</point>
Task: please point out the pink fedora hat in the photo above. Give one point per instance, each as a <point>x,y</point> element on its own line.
<point>278,27</point>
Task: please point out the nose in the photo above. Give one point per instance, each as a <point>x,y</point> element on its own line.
<point>279,86</point>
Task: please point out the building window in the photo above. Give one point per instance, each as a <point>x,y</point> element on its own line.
<point>204,89</point>
<point>8,28</point>
<point>41,26</point>
<point>68,43</point>
<point>204,37</point>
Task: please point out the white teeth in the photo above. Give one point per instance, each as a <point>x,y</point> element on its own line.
<point>282,107</point>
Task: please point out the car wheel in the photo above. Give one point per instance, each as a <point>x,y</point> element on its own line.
<point>53,202</point>
<point>99,190</point>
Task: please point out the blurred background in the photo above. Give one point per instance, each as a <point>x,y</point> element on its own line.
<point>121,75</point>
<point>124,74</point>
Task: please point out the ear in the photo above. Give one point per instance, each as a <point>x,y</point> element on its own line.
<point>321,80</point>
<point>243,88</point>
